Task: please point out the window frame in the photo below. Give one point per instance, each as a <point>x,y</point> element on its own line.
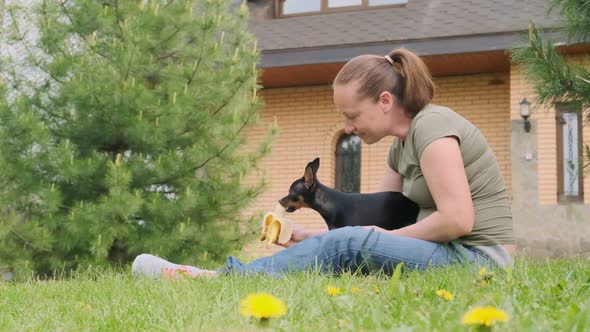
<point>337,176</point>
<point>559,111</point>
<point>324,9</point>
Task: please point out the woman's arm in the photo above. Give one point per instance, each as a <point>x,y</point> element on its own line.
<point>391,180</point>
<point>299,234</point>
<point>442,166</point>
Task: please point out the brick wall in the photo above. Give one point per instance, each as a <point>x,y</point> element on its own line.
<point>309,127</point>
<point>583,60</point>
<point>544,119</point>
<point>543,227</point>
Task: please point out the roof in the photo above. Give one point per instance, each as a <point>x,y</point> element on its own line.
<point>426,26</point>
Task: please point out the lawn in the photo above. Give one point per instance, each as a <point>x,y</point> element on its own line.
<point>536,296</point>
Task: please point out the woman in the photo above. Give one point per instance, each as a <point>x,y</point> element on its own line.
<point>440,161</point>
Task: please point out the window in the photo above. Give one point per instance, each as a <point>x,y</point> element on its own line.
<point>569,154</point>
<point>348,164</point>
<point>290,7</point>
<point>302,7</point>
<point>373,3</point>
<point>344,3</point>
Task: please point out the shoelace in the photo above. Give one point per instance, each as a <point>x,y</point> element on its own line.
<point>181,271</point>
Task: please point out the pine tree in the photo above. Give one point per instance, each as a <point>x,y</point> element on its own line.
<point>130,139</point>
<point>555,80</point>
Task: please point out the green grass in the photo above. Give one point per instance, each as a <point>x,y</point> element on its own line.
<point>538,296</point>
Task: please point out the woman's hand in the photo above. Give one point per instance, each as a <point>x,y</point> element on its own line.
<point>299,234</point>
<point>379,229</point>
<point>376,228</point>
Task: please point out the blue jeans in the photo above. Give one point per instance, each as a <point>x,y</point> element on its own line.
<point>357,249</point>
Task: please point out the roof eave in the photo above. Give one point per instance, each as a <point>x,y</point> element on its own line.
<point>423,47</point>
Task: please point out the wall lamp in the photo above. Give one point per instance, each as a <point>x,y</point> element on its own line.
<point>524,112</point>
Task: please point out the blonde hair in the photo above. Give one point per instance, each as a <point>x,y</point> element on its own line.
<point>408,78</point>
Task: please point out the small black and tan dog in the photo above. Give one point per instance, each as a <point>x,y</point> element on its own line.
<point>388,210</point>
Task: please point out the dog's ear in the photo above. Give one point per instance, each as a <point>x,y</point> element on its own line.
<point>310,171</point>
<point>315,165</point>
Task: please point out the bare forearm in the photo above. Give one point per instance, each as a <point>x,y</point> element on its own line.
<point>432,228</point>
<point>315,232</point>
<point>300,234</point>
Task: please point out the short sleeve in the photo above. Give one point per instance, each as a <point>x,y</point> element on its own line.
<point>432,126</point>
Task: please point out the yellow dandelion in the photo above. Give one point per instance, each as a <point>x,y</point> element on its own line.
<point>355,290</point>
<point>445,294</point>
<point>485,277</point>
<point>263,306</point>
<point>376,290</point>
<point>333,291</point>
<point>344,323</point>
<point>483,272</point>
<point>484,316</point>
<point>83,305</point>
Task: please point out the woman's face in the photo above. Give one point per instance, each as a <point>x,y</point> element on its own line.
<point>368,119</point>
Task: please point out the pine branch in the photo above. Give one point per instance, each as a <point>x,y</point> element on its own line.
<point>27,242</point>
<point>165,40</point>
<point>118,17</point>
<point>235,91</point>
<point>255,192</point>
<point>21,39</point>
<point>168,3</point>
<point>214,113</point>
<point>77,32</point>
<point>53,118</point>
<point>45,14</point>
<point>206,161</point>
<point>102,107</point>
<point>554,80</point>
<point>192,77</point>
<point>126,75</point>
<point>35,102</point>
<point>576,17</point>
<point>166,56</point>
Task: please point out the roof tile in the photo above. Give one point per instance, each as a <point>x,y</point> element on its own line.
<point>419,19</point>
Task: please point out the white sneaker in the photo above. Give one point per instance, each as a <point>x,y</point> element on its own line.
<point>155,267</point>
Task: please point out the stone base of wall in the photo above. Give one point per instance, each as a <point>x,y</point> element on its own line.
<point>556,230</point>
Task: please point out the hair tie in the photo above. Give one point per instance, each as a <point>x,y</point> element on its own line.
<point>389,59</point>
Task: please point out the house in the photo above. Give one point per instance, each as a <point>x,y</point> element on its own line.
<point>464,43</point>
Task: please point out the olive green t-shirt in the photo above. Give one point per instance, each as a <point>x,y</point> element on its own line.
<point>493,217</point>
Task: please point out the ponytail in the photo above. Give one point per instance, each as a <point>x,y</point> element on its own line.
<point>418,89</point>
